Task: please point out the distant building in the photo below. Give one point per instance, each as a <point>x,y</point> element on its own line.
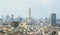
<point>53,19</point>
<point>12,17</point>
<point>58,21</point>
<point>29,13</point>
<point>41,22</point>
<point>7,19</point>
<point>46,22</point>
<point>19,19</point>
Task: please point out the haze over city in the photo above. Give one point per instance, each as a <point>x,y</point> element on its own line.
<point>39,8</point>
<point>29,17</point>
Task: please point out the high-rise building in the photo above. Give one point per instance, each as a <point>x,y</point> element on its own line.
<point>12,17</point>
<point>30,14</point>
<point>53,19</point>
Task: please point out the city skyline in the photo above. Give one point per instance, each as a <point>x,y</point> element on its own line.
<point>39,8</point>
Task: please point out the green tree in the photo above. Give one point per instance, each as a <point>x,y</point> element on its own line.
<point>15,24</point>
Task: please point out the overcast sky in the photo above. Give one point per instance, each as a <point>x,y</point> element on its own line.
<point>39,8</point>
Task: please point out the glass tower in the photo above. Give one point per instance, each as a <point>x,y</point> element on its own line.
<point>53,19</point>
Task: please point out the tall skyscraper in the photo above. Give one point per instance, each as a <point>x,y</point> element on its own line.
<point>53,19</point>
<point>29,14</point>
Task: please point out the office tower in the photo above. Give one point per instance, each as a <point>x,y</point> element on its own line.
<point>29,15</point>
<point>12,17</point>
<point>53,19</point>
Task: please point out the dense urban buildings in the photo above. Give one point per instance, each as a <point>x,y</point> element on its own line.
<point>29,26</point>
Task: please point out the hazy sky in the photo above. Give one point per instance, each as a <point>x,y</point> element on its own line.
<point>39,8</point>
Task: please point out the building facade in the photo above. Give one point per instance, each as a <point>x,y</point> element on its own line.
<point>53,19</point>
